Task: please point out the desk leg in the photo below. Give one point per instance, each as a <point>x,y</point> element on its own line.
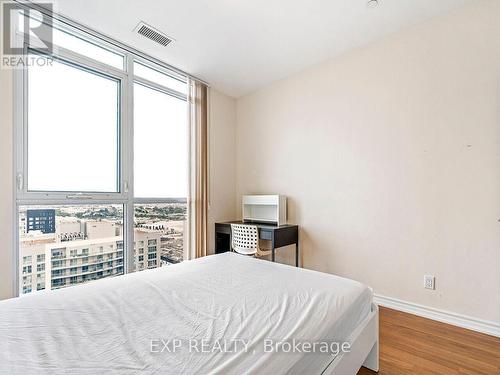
<point>273,250</point>
<point>297,254</point>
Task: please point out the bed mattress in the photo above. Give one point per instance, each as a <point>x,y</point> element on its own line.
<point>223,313</point>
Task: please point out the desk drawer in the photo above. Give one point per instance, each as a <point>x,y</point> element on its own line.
<point>266,234</point>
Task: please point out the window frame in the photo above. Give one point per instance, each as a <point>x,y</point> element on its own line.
<point>178,95</point>
<point>125,173</point>
<point>157,86</point>
<point>78,62</point>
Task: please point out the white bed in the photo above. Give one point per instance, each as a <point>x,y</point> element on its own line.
<point>116,325</point>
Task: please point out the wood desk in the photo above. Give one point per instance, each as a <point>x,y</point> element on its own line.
<point>279,236</point>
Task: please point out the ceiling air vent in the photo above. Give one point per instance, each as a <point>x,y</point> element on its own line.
<point>153,34</point>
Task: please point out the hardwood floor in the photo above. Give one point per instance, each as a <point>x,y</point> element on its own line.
<point>413,345</point>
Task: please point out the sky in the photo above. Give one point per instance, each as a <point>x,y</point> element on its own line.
<point>73,134</point>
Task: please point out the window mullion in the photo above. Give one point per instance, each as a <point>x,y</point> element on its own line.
<point>128,160</point>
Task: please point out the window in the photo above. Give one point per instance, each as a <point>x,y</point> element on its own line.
<point>168,222</point>
<point>85,48</point>
<point>57,283</point>
<point>101,224</point>
<point>56,253</point>
<point>62,129</point>
<point>161,222</point>
<point>156,76</point>
<point>63,38</point>
<point>160,138</point>
<point>56,273</point>
<point>74,159</point>
<point>58,263</point>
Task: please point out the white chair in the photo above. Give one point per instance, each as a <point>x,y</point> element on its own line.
<point>245,240</point>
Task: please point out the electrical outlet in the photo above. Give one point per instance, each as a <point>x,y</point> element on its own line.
<point>429,282</point>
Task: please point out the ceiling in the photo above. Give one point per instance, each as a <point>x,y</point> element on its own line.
<point>239,46</point>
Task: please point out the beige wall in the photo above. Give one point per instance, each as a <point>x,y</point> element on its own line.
<point>390,157</point>
<point>222,163</point>
<point>6,193</point>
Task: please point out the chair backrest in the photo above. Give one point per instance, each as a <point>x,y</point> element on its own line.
<point>245,239</point>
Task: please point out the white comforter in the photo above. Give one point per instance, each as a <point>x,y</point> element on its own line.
<point>117,325</point>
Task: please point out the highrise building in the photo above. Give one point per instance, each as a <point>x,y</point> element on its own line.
<point>43,220</point>
<point>47,262</point>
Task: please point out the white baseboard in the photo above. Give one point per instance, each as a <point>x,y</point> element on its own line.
<point>478,325</point>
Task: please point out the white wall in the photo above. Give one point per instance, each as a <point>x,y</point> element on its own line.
<point>6,183</point>
<point>222,163</point>
<point>390,157</point>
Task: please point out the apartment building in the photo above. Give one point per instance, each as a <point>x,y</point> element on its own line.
<point>33,260</point>
<point>75,262</point>
<point>147,248</point>
<point>43,220</point>
<point>51,263</point>
<point>102,229</point>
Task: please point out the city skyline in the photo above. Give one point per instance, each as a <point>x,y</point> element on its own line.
<point>64,245</point>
